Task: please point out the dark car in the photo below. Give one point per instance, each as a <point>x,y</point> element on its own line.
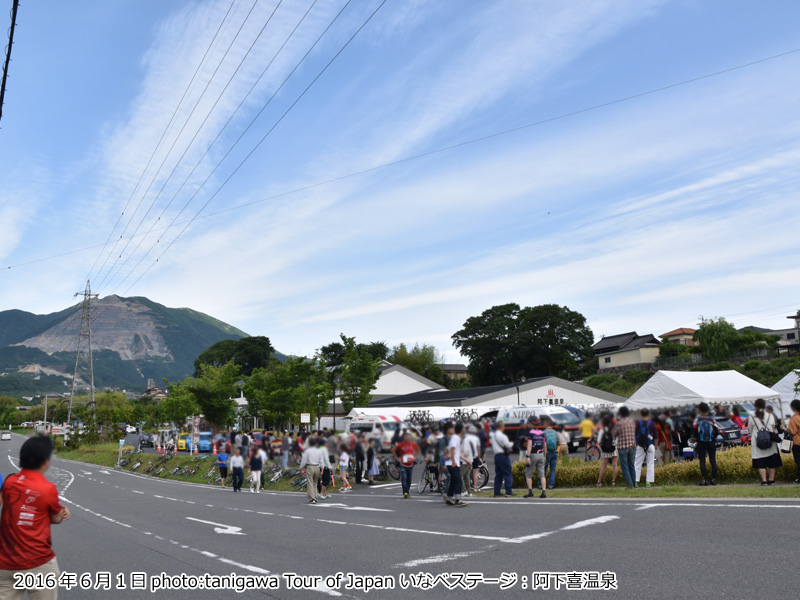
<point>729,432</point>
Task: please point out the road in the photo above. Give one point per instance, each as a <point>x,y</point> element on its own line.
<point>124,523</point>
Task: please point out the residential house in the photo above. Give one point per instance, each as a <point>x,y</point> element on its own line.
<point>683,336</point>
<point>627,350</point>
<point>456,372</point>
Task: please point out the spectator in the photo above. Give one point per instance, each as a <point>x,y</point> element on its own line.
<point>453,464</point>
<point>325,478</point>
<point>608,450</point>
<point>551,458</point>
<point>664,432</point>
<point>344,465</point>
<point>534,458</point>
<point>778,420</point>
<point>372,460</point>
<point>645,447</point>
<point>256,466</point>
<point>222,463</point>
<point>766,456</point>
<point>286,447</point>
<point>245,444</point>
<point>263,454</point>
<point>587,429</point>
<point>237,469</point>
<point>311,461</point>
<point>794,429</point>
<point>625,435</point>
<point>736,417</point>
<point>442,444</point>
<point>406,452</point>
<point>705,432</point>
<point>360,456</point>
<point>563,442</point>
<point>30,506</point>
<point>502,465</point>
<point>471,452</point>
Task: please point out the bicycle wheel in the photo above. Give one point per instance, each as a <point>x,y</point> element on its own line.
<point>483,477</point>
<point>593,453</point>
<point>424,481</point>
<point>394,470</point>
<point>382,472</point>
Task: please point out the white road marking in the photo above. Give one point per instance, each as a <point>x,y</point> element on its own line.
<point>220,528</point>
<point>436,559</point>
<point>706,504</point>
<point>137,492</point>
<point>384,485</point>
<point>588,522</point>
<point>578,525</point>
<point>346,507</point>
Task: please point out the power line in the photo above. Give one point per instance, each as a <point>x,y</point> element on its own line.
<point>264,137</point>
<point>11,29</point>
<point>415,157</point>
<point>219,134</point>
<point>189,145</point>
<point>158,145</point>
<point>177,137</point>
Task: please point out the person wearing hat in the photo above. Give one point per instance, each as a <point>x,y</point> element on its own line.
<point>534,457</point>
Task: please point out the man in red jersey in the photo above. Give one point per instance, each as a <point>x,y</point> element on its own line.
<point>30,505</point>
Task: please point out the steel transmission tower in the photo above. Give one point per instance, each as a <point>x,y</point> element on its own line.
<point>84,349</point>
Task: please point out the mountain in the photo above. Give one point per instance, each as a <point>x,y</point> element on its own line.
<point>134,339</point>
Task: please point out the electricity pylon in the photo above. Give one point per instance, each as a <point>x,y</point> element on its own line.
<point>84,347</point>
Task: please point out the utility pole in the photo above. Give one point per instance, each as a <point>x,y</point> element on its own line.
<point>11,29</point>
<point>85,349</point>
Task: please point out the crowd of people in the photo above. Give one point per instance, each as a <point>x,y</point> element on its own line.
<point>455,451</point>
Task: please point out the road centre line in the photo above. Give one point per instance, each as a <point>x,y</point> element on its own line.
<point>437,559</point>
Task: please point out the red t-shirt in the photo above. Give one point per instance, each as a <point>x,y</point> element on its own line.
<point>28,501</point>
<point>407,451</point>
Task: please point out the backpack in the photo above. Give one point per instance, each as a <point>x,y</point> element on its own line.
<point>607,442</point>
<point>537,441</point>
<point>642,437</point>
<point>763,438</point>
<point>705,431</point>
<point>552,440</point>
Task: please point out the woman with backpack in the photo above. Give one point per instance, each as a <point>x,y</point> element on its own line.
<point>608,450</point>
<point>765,438</point>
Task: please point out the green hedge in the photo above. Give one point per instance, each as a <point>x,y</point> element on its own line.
<point>733,466</point>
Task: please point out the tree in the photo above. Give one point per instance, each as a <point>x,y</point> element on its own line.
<point>506,342</point>
<point>249,353</point>
<point>717,338</point>
<point>213,391</point>
<point>180,404</point>
<point>422,359</point>
<point>377,350</point>
<point>358,375</point>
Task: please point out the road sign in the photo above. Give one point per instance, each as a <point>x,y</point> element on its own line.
<point>121,443</point>
<point>305,417</point>
<point>56,430</point>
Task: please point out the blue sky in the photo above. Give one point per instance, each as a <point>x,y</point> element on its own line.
<point>642,215</point>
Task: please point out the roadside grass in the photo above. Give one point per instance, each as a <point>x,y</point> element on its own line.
<point>105,455</point>
<point>668,491</point>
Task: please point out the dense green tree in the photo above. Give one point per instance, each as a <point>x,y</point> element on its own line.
<point>423,359</point>
<point>506,342</point>
<point>669,349</point>
<point>377,350</point>
<point>358,375</point>
<point>718,339</point>
<point>214,391</point>
<point>180,404</point>
<point>249,353</point>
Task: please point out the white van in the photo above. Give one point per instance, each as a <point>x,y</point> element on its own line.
<point>516,417</point>
<point>377,426</point>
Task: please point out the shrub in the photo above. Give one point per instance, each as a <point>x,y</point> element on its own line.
<point>733,466</point>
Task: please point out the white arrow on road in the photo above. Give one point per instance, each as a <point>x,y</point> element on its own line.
<point>220,528</point>
<point>345,507</point>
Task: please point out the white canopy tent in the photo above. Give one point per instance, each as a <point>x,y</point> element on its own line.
<point>786,389</point>
<point>436,412</point>
<point>671,389</point>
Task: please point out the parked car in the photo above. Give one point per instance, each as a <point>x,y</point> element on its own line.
<point>204,444</point>
<point>182,442</point>
<point>5,436</point>
<point>27,425</point>
<point>515,420</point>
<point>729,432</point>
<point>131,429</point>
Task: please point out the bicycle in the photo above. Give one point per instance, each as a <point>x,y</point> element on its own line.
<point>388,467</point>
<point>300,483</point>
<point>483,476</point>
<point>136,465</point>
<point>429,479</point>
<point>593,451</point>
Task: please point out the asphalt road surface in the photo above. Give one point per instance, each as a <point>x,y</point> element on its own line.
<point>126,523</point>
